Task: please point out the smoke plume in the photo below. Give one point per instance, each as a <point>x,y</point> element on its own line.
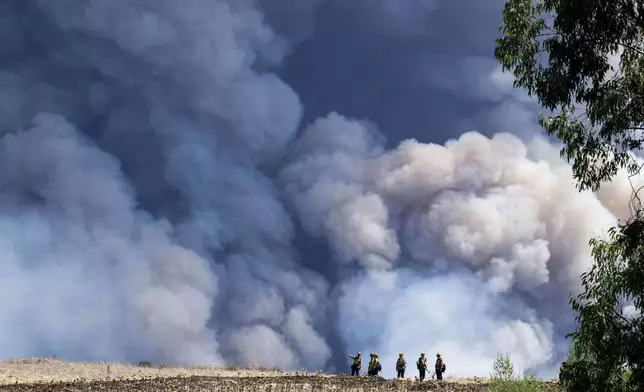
<point>485,234</point>
<point>244,182</point>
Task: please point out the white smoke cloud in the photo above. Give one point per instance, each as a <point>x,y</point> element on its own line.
<point>82,271</point>
<point>454,314</point>
<point>617,194</point>
<point>514,221</point>
<point>326,188</point>
<point>262,346</point>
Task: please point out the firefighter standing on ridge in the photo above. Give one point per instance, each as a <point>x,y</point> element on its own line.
<point>357,364</point>
<point>421,364</point>
<point>374,365</point>
<point>400,366</point>
<point>439,367</point>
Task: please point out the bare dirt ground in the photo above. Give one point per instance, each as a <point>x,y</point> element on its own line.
<point>48,374</point>
<point>38,370</point>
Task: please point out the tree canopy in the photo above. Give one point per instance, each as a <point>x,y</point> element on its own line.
<point>583,61</point>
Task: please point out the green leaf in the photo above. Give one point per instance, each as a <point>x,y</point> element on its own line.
<point>558,52</point>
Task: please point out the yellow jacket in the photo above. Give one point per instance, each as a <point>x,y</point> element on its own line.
<point>400,363</point>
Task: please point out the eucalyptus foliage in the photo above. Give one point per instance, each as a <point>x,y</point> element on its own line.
<point>563,52</point>
<point>559,50</point>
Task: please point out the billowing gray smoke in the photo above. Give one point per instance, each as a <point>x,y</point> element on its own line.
<point>466,248</point>
<point>165,194</point>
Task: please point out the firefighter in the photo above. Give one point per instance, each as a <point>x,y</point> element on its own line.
<point>421,364</point>
<point>374,365</point>
<point>563,370</point>
<point>400,366</point>
<point>439,367</point>
<point>357,364</point>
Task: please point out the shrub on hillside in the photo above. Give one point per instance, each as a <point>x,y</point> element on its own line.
<point>505,379</point>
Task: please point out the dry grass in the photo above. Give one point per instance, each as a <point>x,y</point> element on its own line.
<point>52,375</point>
<point>38,370</point>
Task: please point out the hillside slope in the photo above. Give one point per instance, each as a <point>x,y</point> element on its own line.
<point>44,374</point>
